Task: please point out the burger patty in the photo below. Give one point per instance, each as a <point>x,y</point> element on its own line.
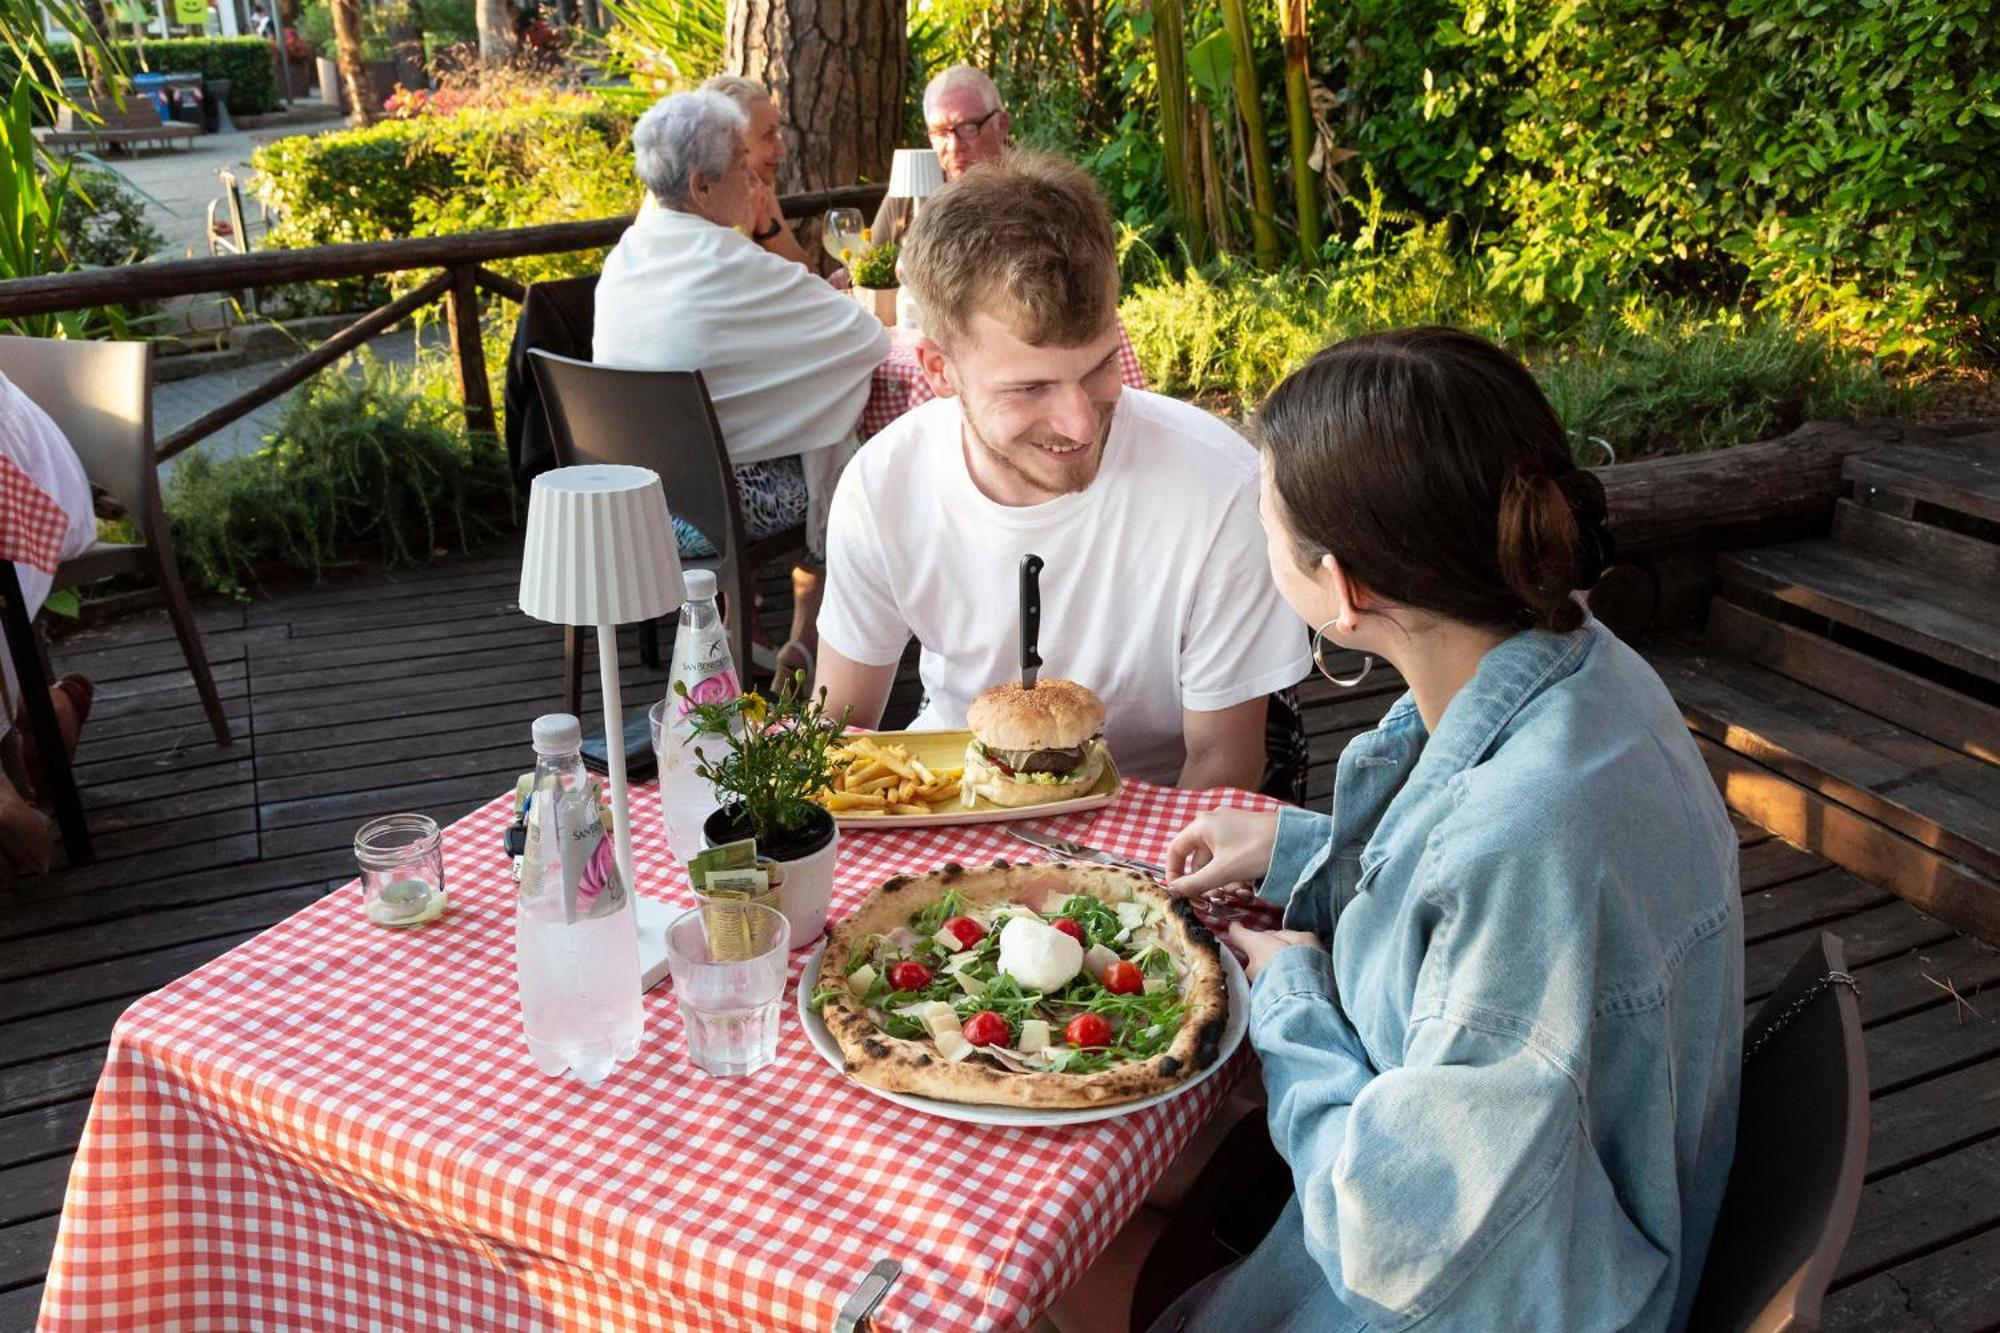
<point>1012,762</point>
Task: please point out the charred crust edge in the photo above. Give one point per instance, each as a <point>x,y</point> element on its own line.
<point>1207,1043</point>
<point>1191,923</point>
<point>895,883</point>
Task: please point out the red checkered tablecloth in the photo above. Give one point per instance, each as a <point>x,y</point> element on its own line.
<point>336,1126</point>
<point>32,523</point>
<point>899,383</point>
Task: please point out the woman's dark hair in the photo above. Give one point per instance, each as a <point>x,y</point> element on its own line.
<point>1431,466</point>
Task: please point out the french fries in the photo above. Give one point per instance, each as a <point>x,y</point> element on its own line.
<point>874,779</point>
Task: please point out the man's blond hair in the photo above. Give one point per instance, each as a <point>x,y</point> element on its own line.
<point>1026,239</point>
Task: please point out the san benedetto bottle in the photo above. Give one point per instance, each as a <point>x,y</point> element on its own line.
<point>576,945</point>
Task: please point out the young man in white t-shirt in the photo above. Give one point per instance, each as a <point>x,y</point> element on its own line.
<point>1155,593</point>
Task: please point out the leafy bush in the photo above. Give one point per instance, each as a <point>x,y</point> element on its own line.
<point>249,63</point>
<point>427,175</point>
<point>105,223</point>
<point>368,462</point>
<point>1647,378</point>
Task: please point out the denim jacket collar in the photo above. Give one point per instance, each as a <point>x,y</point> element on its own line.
<point>1508,677</point>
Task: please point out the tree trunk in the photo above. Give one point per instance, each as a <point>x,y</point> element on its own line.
<point>496,30</point>
<point>1298,102</point>
<point>361,109</point>
<point>839,69</point>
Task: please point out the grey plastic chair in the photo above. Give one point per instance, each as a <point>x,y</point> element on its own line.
<point>100,394</point>
<point>663,420</point>
<point>1801,1155</point>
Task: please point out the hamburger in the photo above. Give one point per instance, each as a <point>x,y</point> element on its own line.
<point>1032,746</point>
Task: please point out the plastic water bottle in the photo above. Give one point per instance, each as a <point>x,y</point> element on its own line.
<point>576,945</point>
<point>702,664</point>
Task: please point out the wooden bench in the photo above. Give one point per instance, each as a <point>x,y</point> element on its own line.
<point>138,123</point>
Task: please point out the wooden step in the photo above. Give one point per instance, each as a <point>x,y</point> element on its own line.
<point>1940,885</point>
<point>1935,796</point>
<point>1952,622</point>
<point>1939,551</point>
<point>1924,706</point>
<point>1961,475</point>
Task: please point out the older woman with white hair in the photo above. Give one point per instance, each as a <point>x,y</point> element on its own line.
<point>787,358</point>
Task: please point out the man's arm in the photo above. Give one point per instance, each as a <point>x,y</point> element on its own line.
<point>1225,747</point>
<point>850,683</point>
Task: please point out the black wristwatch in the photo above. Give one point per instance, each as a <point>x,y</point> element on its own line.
<point>777,225</point>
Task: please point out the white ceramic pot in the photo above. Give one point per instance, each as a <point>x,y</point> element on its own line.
<point>808,879</point>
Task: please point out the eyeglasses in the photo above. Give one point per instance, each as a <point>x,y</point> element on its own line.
<point>966,130</point>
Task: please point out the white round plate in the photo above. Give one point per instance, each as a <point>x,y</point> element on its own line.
<point>1233,1028</point>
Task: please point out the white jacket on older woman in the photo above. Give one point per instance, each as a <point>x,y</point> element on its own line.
<point>787,358</point>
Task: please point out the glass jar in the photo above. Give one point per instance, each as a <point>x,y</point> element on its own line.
<point>402,870</point>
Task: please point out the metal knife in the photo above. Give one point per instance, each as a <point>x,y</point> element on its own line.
<point>1076,851</point>
<point>1031,619</point>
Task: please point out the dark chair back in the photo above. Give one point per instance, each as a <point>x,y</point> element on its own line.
<point>555,317</point>
<point>1801,1154</point>
<point>663,420</point>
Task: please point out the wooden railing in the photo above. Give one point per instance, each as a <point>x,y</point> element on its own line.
<point>462,275</point>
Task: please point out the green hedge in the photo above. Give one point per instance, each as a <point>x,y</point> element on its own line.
<point>560,158</point>
<point>249,63</point>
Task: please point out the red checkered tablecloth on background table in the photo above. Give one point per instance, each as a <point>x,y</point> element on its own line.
<point>899,383</point>
<point>32,523</point>
<point>337,1126</point>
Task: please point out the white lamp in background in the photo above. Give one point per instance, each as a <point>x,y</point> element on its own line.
<point>600,551</point>
<point>915,173</point>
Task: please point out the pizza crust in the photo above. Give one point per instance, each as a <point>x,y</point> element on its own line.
<point>899,1064</point>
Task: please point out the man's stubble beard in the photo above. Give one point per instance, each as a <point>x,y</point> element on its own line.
<point>1061,477</point>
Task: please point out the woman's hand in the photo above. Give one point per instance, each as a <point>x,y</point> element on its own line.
<point>1259,947</point>
<point>1223,846</point>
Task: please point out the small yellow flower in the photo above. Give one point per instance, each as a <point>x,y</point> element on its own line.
<point>866,235</point>
<point>755,709</point>
<point>846,255</point>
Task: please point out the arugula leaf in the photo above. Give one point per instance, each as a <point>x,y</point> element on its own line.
<point>900,1025</point>
<point>1100,924</point>
<point>926,922</point>
<point>825,995</point>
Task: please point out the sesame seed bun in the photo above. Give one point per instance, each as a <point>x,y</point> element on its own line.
<point>1055,715</point>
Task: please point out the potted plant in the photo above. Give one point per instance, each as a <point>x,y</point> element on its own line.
<point>874,274</point>
<point>766,759</point>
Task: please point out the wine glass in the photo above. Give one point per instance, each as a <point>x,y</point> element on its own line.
<point>840,233</point>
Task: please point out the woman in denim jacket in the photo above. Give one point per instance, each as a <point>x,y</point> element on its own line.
<point>1501,1029</point>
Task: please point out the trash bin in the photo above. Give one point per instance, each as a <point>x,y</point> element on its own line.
<point>154,88</point>
<point>215,106</point>
<point>183,89</point>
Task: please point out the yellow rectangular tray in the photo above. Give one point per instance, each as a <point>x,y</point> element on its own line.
<point>946,749</point>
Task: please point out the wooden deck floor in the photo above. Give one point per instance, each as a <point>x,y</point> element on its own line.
<point>415,692</point>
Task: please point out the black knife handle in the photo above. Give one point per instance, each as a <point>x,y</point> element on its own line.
<point>1031,612</point>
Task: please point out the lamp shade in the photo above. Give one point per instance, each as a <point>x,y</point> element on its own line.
<point>915,174</point>
<point>600,547</point>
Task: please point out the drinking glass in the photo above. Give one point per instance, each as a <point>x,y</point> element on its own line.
<point>840,233</point>
<point>402,869</point>
<point>729,962</point>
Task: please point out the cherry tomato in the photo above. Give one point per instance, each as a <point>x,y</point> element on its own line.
<point>1071,927</point>
<point>986,1028</point>
<point>909,976</point>
<point>1087,1030</point>
<point>966,931</point>
<point>1123,978</point>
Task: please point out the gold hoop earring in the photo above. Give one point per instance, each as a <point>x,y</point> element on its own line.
<point>1319,662</point>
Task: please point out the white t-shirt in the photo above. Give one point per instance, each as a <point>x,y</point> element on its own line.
<point>1155,592</point>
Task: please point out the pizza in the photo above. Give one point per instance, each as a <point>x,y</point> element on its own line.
<point>1040,986</point>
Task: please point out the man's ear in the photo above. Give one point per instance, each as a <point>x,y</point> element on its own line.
<point>936,366</point>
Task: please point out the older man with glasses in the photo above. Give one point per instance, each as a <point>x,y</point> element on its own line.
<point>967,125</point>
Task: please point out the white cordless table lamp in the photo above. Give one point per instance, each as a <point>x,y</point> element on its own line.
<point>600,551</point>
